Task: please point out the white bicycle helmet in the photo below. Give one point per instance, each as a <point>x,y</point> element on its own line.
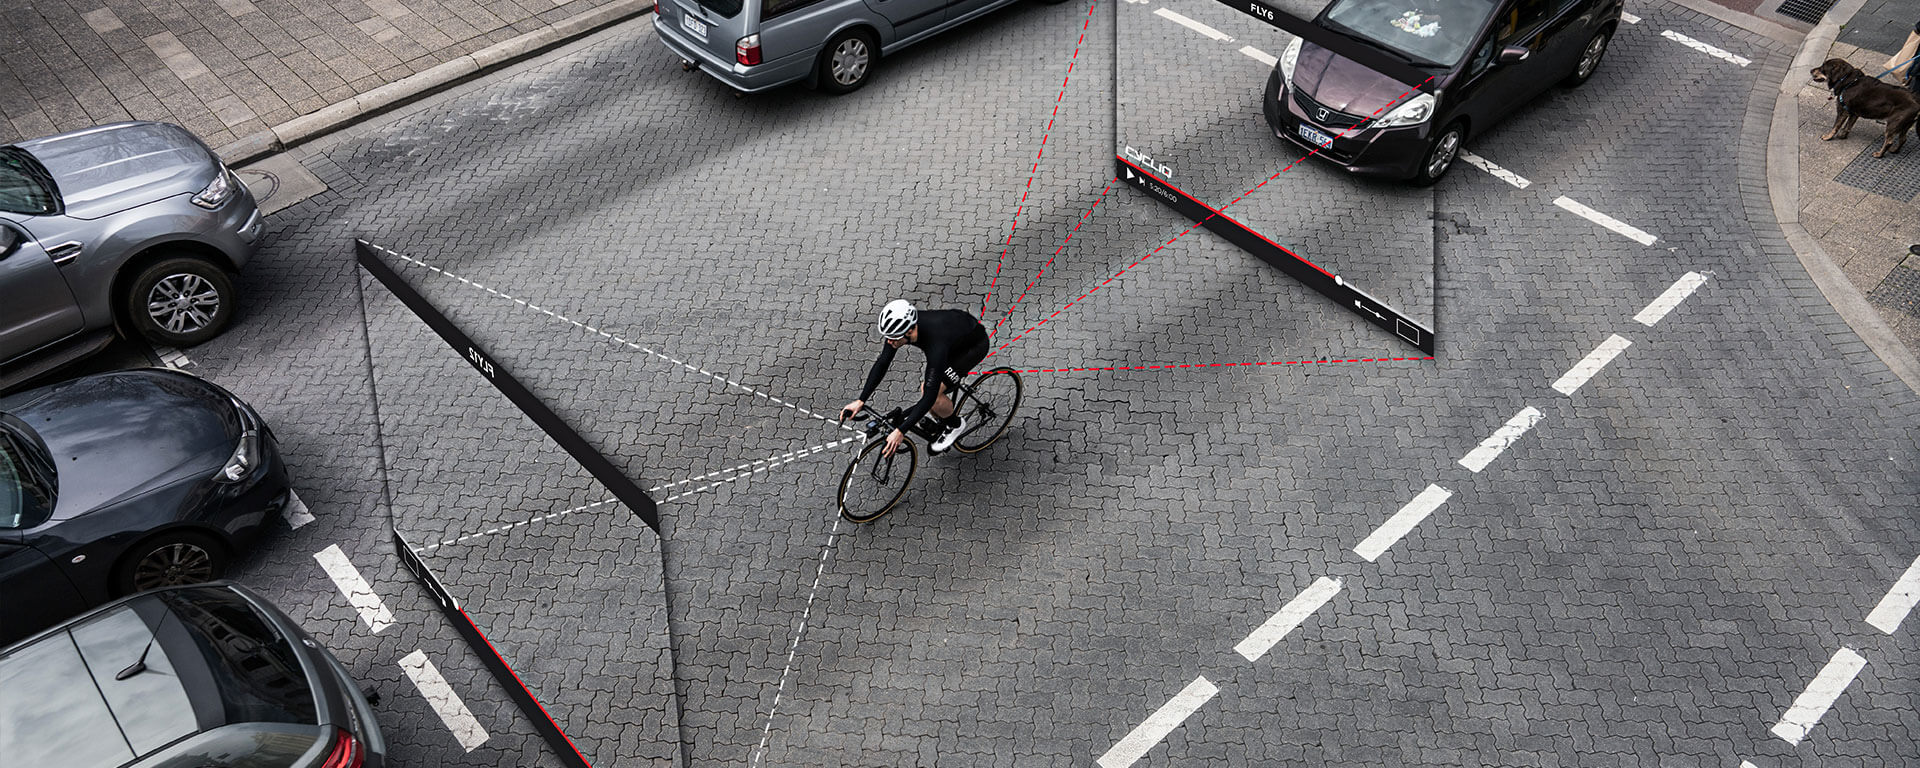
<point>898,317</point>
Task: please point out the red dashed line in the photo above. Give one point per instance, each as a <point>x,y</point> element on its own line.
<point>1171,366</point>
<point>1071,60</point>
<point>1056,254</point>
<point>1196,225</point>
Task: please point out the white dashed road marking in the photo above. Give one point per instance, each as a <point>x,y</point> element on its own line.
<point>1259,55</point>
<point>1402,521</point>
<point>355,587</point>
<point>1671,298</point>
<point>296,512</point>
<point>1618,226</point>
<point>1288,618</point>
<point>1490,448</point>
<point>1162,722</point>
<point>1191,24</point>
<point>1576,376</point>
<point>1899,601</point>
<point>172,358</point>
<point>1629,18</point>
<point>1820,695</point>
<point>1518,181</point>
<point>466,729</point>
<point>1704,48</point>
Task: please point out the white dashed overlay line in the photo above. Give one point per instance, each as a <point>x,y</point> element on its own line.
<point>433,686</point>
<point>296,511</point>
<point>1518,181</point>
<point>1899,601</point>
<point>1704,48</point>
<point>1288,618</point>
<point>1578,375</point>
<point>1191,24</point>
<point>1635,234</point>
<point>1259,55</point>
<point>1819,695</point>
<point>1670,298</point>
<point>766,732</point>
<point>1162,722</point>
<point>1490,448</point>
<point>355,587</point>
<point>1402,521</point>
<point>614,337</point>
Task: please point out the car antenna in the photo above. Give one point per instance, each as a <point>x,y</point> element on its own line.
<point>139,665</point>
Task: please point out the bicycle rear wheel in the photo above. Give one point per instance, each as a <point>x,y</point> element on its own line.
<point>874,481</point>
<point>989,409</point>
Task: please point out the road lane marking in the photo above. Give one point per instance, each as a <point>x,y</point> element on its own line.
<point>1191,24</point>
<point>1162,722</point>
<point>1402,521</point>
<point>172,358</point>
<point>1704,48</point>
<point>1899,601</point>
<point>1629,18</point>
<point>1633,233</point>
<point>1671,298</point>
<point>433,687</point>
<point>1819,695</point>
<point>1490,448</point>
<point>1576,376</point>
<point>1498,172</point>
<point>296,511</point>
<point>1287,618</point>
<point>1259,55</point>
<point>355,587</point>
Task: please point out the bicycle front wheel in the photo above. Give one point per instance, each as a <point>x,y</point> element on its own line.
<point>989,409</point>
<point>874,481</point>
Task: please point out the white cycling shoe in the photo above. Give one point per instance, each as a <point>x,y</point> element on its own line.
<point>946,438</point>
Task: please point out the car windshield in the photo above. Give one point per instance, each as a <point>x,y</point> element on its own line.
<point>13,491</point>
<point>1436,32</point>
<point>26,485</point>
<point>25,187</point>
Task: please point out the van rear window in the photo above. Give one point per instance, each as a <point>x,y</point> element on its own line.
<point>727,8</point>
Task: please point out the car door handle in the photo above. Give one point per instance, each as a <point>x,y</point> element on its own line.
<point>64,253</point>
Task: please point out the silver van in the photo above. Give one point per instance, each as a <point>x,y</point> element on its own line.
<point>833,45</point>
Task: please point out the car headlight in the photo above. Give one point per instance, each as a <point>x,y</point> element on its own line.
<point>218,191</point>
<point>1415,111</point>
<point>245,459</point>
<point>1289,58</point>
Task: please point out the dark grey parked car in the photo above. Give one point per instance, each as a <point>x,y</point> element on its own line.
<point>119,482</point>
<point>136,225</point>
<point>211,675</point>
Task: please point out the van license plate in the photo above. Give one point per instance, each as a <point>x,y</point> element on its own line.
<point>695,26</point>
<point>1308,133</point>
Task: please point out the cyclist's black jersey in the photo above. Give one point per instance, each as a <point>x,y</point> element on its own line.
<point>954,342</point>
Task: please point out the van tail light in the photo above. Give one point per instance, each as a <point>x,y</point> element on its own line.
<point>656,8</point>
<point>346,751</point>
<point>747,51</point>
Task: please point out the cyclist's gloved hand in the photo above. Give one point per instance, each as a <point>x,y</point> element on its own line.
<point>852,409</point>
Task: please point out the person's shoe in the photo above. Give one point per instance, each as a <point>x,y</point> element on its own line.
<point>955,426</point>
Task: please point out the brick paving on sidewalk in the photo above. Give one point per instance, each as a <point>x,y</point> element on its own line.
<point>228,68</point>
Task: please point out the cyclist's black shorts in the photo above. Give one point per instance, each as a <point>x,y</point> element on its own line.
<point>964,361</point>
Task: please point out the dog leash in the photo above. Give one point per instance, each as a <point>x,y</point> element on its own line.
<point>1896,66</point>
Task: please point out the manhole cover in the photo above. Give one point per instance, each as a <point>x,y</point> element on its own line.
<point>1808,11</point>
<point>1901,291</point>
<point>1895,176</point>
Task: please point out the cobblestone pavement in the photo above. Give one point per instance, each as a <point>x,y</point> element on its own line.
<point>227,68</point>
<point>1650,574</point>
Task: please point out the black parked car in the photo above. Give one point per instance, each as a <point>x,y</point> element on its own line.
<point>1487,57</point>
<point>210,675</point>
<point>125,481</point>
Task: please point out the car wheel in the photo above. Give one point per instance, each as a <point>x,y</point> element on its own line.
<point>180,301</point>
<point>168,560</point>
<point>847,62</point>
<point>1590,57</point>
<point>1440,155</point>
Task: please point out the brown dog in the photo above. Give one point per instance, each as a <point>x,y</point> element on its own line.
<point>1861,95</point>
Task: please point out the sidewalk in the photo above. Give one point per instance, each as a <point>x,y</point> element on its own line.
<point>1862,211</point>
<point>230,69</point>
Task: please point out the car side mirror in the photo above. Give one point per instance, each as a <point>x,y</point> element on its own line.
<point>1513,54</point>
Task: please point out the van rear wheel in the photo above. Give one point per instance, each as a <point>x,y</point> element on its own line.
<point>847,62</point>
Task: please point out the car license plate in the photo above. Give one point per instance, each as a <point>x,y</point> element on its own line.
<point>1307,132</point>
<point>695,26</point>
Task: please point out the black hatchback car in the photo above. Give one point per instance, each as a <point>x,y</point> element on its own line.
<point>210,675</point>
<point>1486,58</point>
<point>119,482</point>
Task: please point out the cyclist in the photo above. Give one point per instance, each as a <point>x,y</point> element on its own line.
<point>954,342</point>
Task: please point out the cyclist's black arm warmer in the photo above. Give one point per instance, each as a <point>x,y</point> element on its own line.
<point>878,372</point>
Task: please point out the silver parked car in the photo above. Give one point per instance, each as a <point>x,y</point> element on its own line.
<point>132,225</point>
<point>834,45</point>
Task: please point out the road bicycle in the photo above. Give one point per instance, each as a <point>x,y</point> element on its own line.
<point>874,482</point>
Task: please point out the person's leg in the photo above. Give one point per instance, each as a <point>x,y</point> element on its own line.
<point>943,407</point>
